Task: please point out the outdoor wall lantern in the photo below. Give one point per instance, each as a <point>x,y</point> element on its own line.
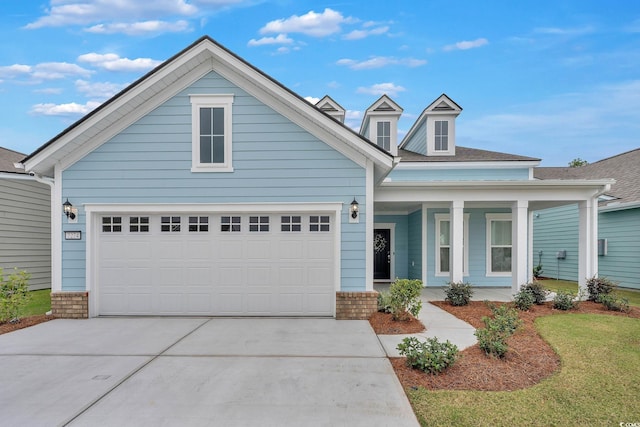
<point>69,210</point>
<point>353,211</point>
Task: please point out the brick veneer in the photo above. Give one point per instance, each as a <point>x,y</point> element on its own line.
<point>70,305</point>
<point>356,305</point>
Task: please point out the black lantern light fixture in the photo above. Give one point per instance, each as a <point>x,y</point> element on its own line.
<point>67,208</point>
<point>354,209</point>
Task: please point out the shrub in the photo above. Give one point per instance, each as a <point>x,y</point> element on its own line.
<point>523,300</point>
<point>429,356</point>
<point>384,302</point>
<point>599,285</point>
<point>537,290</point>
<point>404,298</point>
<point>565,300</point>
<point>14,294</point>
<point>613,302</point>
<point>458,293</point>
<point>493,337</point>
<point>537,271</point>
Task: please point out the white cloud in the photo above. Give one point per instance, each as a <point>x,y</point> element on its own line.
<point>361,34</point>
<point>98,90</point>
<point>353,114</point>
<point>312,99</point>
<point>43,71</point>
<point>565,31</point>
<point>279,39</point>
<point>70,109</point>
<point>49,91</point>
<point>113,62</point>
<point>140,28</point>
<point>381,89</point>
<point>379,62</point>
<point>312,24</point>
<point>465,45</point>
<point>76,12</point>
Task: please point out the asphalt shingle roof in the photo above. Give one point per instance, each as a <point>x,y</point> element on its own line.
<point>624,168</point>
<point>8,158</point>
<point>463,154</point>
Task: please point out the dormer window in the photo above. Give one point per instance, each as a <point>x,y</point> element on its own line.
<point>441,135</point>
<point>384,135</point>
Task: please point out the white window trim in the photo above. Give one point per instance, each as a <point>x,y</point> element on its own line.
<point>431,136</point>
<point>439,217</point>
<point>393,130</point>
<point>490,217</point>
<point>224,101</point>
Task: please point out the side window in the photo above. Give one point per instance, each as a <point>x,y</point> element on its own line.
<point>499,244</point>
<point>211,133</point>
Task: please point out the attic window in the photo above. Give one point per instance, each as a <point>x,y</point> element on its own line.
<point>211,133</point>
<point>441,135</point>
<point>384,135</point>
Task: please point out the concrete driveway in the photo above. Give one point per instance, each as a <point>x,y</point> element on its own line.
<point>199,372</point>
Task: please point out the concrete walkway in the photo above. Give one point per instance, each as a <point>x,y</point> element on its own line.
<point>441,324</point>
<point>199,372</point>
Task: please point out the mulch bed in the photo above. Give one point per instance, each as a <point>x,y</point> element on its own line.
<point>530,358</point>
<point>24,322</point>
<point>383,324</point>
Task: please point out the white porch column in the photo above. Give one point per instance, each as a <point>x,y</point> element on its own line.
<point>456,256</point>
<point>587,241</point>
<point>423,261</point>
<point>530,247</point>
<point>519,244</point>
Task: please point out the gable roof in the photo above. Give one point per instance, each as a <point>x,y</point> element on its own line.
<point>7,160</point>
<point>441,105</point>
<point>624,168</point>
<point>166,80</point>
<point>464,154</point>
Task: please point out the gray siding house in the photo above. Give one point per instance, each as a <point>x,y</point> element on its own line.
<point>25,222</point>
<point>556,229</point>
<point>208,188</point>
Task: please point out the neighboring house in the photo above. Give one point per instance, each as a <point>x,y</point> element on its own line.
<point>556,229</point>
<point>208,188</point>
<point>25,222</point>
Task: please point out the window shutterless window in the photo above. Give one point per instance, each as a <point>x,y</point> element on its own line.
<point>138,224</point>
<point>441,135</point>
<point>198,223</point>
<point>499,244</point>
<point>211,129</point>
<point>291,223</point>
<point>384,135</point>
<point>319,223</point>
<point>111,224</point>
<point>443,244</point>
<point>170,224</point>
<point>259,223</point>
<point>230,223</point>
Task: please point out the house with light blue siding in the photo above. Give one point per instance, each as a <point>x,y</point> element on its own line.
<point>556,229</point>
<point>207,188</point>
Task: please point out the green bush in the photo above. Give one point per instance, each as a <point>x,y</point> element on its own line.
<point>537,271</point>
<point>523,300</point>
<point>565,300</point>
<point>599,285</point>
<point>384,302</point>
<point>14,294</point>
<point>404,298</point>
<point>430,356</point>
<point>537,290</point>
<point>614,302</point>
<point>458,293</point>
<point>493,337</point>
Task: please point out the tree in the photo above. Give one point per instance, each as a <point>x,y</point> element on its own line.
<point>577,162</point>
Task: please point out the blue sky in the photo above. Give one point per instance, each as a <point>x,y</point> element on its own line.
<point>554,80</point>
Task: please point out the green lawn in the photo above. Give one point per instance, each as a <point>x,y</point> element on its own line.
<point>599,382</point>
<point>40,303</point>
<point>565,285</point>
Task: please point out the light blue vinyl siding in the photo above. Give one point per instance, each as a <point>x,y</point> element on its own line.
<point>274,160</point>
<point>557,229</point>
<point>418,141</point>
<point>477,250</point>
<point>459,174</point>
<point>554,230</point>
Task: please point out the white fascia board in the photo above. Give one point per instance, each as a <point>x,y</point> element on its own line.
<point>547,183</point>
<point>505,164</point>
<point>619,206</point>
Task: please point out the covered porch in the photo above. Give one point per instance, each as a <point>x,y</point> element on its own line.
<point>478,232</point>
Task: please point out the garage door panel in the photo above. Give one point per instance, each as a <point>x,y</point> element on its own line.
<point>212,272</point>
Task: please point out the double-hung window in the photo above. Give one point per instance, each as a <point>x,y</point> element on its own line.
<point>443,244</point>
<point>441,135</point>
<point>383,136</point>
<point>499,244</point>
<point>211,133</point>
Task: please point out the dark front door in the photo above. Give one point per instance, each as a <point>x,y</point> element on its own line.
<point>382,254</point>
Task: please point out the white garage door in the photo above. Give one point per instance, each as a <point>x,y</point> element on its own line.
<point>216,264</point>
